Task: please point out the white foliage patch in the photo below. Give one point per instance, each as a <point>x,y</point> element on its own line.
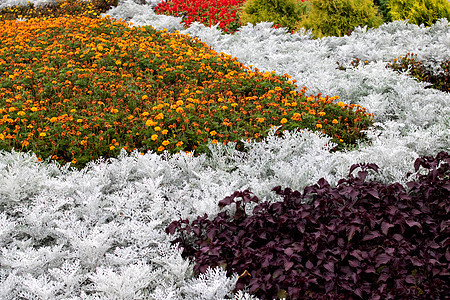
<point>99,233</point>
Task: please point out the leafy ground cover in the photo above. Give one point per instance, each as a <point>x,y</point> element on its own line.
<point>359,240</point>
<point>76,89</point>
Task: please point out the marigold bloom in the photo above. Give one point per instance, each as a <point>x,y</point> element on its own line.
<point>335,121</point>
<point>157,128</point>
<point>21,113</point>
<point>213,133</point>
<point>318,125</point>
<point>340,103</point>
<point>111,147</point>
<point>161,148</point>
<point>42,134</point>
<point>154,137</point>
<point>179,144</point>
<point>283,121</point>
<point>165,143</point>
<point>164,131</point>
<point>34,109</point>
<point>150,123</point>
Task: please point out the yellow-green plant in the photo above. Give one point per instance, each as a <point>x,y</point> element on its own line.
<point>283,13</point>
<point>419,12</point>
<point>339,17</point>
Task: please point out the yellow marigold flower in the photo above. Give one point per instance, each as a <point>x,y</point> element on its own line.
<point>114,110</point>
<point>53,119</point>
<point>322,113</point>
<point>179,144</point>
<point>179,110</point>
<point>83,143</point>
<point>161,148</point>
<point>150,123</point>
<point>42,134</point>
<point>180,102</point>
<point>144,114</point>
<point>293,93</point>
<point>111,147</point>
<point>21,113</point>
<point>2,137</point>
<point>224,107</point>
<point>157,128</point>
<point>277,88</point>
<point>260,120</point>
<point>318,125</point>
<point>159,116</point>
<point>165,143</point>
<point>164,131</point>
<point>24,143</point>
<point>340,103</point>
<point>118,62</point>
<point>335,121</point>
<point>11,109</point>
<point>34,109</point>
<point>154,137</point>
<point>341,140</point>
<point>100,47</point>
<point>144,97</point>
<point>130,117</point>
<point>234,104</point>
<point>213,133</point>
<point>74,161</point>
<point>79,120</point>
<point>284,120</point>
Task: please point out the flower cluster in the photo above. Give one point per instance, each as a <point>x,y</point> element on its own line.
<point>78,88</point>
<point>205,12</point>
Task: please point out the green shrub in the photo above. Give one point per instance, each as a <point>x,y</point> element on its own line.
<point>383,9</point>
<point>339,17</point>
<point>283,13</point>
<point>419,11</point>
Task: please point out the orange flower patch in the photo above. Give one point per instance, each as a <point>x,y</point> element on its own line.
<point>79,88</point>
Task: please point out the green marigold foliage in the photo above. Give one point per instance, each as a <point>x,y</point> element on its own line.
<point>339,17</point>
<point>418,12</point>
<point>283,13</point>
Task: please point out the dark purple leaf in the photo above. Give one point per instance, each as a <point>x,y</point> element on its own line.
<point>371,235</point>
<point>382,259</point>
<point>288,265</point>
<point>385,227</point>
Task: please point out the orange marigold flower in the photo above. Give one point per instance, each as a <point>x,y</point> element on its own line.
<point>154,137</point>
<point>179,144</point>
<point>318,125</point>
<point>335,121</point>
<point>284,120</point>
<point>164,131</point>
<point>161,148</point>
<point>150,123</point>
<point>165,143</point>
<point>111,147</point>
<point>340,103</point>
<point>213,133</point>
